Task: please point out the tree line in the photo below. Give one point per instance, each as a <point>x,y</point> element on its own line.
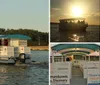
<point>37,37</point>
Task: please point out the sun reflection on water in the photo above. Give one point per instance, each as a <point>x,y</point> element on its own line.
<point>75,37</point>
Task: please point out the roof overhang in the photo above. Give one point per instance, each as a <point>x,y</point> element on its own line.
<point>16,36</point>
<point>71,19</point>
<point>75,48</point>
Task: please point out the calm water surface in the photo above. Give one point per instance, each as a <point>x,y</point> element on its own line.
<point>30,75</point>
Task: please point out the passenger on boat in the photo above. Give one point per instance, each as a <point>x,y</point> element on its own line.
<point>68,59</point>
<point>78,21</point>
<point>4,42</point>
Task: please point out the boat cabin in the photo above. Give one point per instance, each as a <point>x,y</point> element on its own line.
<point>73,20</point>
<point>73,24</point>
<point>13,40</point>
<point>13,46</point>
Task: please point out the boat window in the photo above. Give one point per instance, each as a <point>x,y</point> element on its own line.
<point>87,58</point>
<point>50,59</point>
<point>57,59</point>
<point>5,42</point>
<point>94,58</point>
<point>77,57</point>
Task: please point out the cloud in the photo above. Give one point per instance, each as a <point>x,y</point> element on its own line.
<point>93,14</point>
<point>97,14</point>
<point>68,14</point>
<point>54,12</point>
<point>55,9</point>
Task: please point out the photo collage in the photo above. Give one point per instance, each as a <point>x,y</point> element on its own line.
<point>50,42</point>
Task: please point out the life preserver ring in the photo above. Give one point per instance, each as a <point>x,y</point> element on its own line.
<point>22,57</point>
<point>68,59</point>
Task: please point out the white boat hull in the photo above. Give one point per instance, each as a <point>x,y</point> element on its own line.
<point>9,61</point>
<point>13,60</point>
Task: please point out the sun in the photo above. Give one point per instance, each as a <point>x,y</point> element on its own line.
<point>77,11</point>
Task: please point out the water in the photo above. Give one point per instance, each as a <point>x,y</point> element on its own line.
<point>40,56</point>
<point>31,75</point>
<point>92,34</point>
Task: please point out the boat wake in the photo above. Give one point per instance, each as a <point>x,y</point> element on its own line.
<point>34,63</point>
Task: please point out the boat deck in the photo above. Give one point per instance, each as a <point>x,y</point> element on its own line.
<point>77,77</point>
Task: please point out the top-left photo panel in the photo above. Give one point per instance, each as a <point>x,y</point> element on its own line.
<point>24,40</point>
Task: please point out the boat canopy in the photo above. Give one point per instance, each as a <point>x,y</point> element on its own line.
<point>72,19</point>
<point>82,49</point>
<point>16,36</point>
<point>94,54</point>
<point>57,54</point>
<point>60,47</point>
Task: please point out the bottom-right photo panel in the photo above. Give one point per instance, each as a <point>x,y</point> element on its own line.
<point>75,64</point>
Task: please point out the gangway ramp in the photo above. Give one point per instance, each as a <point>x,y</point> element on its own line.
<point>77,77</point>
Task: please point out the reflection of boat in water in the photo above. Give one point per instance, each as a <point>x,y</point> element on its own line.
<point>14,48</point>
<point>73,24</point>
<point>71,36</point>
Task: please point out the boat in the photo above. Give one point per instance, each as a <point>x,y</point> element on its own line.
<point>73,24</point>
<point>14,48</point>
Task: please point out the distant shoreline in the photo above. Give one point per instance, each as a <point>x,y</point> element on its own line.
<point>41,48</point>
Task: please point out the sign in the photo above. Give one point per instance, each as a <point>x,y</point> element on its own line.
<point>93,76</point>
<point>59,80</point>
<point>93,64</point>
<point>89,66</point>
<point>22,42</point>
<point>60,73</point>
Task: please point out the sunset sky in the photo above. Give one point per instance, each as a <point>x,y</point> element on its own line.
<point>88,9</point>
<point>30,14</point>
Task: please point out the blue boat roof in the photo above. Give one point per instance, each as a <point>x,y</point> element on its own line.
<point>16,36</point>
<point>68,48</point>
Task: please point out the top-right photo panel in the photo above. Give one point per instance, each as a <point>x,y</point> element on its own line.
<point>75,20</point>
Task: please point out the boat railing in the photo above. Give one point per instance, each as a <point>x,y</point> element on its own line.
<point>74,22</point>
